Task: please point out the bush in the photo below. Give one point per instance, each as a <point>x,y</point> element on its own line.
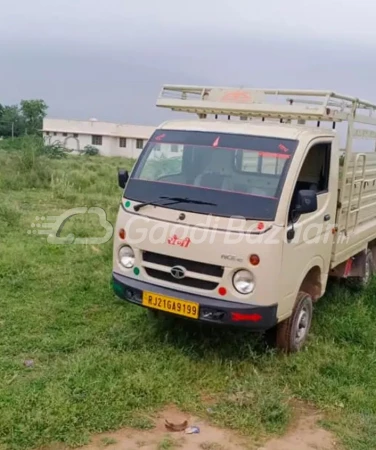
<point>28,165</point>
<point>31,146</point>
<point>90,150</point>
<point>53,151</point>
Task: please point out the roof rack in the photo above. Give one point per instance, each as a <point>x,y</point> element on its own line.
<point>267,103</point>
<point>283,104</point>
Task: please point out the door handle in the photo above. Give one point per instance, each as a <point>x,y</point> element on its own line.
<point>326,217</point>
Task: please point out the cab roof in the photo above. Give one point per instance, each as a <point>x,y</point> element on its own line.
<point>269,128</point>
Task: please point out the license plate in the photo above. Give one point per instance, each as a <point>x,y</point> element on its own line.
<point>171,305</point>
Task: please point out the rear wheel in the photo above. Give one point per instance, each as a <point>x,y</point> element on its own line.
<point>369,270</point>
<point>291,334</point>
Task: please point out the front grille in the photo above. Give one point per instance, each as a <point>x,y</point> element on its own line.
<point>191,266</point>
<point>187,281</point>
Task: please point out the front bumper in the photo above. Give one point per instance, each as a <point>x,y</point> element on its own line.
<point>254,317</point>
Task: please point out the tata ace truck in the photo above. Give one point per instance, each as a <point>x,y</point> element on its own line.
<point>240,215</point>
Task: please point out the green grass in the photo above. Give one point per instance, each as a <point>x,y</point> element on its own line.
<point>106,441</point>
<point>100,364</point>
<point>169,443</point>
<point>212,446</point>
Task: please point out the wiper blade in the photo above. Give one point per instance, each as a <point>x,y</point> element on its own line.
<point>174,200</point>
<point>189,200</point>
<point>153,203</point>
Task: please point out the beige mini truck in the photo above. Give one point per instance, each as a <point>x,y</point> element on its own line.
<point>240,216</point>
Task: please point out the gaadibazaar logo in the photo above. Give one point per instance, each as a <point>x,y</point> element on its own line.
<point>52,227</point>
<point>211,231</point>
<point>143,229</point>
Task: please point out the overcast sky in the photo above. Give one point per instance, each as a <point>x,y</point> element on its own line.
<point>109,59</point>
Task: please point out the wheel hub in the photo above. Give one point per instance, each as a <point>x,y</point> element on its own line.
<point>302,325</point>
<point>367,273</point>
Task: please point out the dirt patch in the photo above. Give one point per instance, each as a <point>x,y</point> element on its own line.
<point>303,435</point>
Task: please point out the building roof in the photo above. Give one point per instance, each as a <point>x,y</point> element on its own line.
<point>98,128</point>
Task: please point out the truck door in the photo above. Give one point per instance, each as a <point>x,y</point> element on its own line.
<point>308,244</point>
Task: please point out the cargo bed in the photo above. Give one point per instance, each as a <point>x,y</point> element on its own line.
<point>356,214</point>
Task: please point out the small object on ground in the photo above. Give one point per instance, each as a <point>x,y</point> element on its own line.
<point>176,427</point>
<point>192,430</point>
<point>209,410</point>
<point>29,363</point>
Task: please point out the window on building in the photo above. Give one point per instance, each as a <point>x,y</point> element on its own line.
<point>75,135</point>
<point>139,143</point>
<point>122,142</point>
<point>65,134</point>
<point>55,134</point>
<point>96,140</point>
<point>174,148</point>
<point>47,133</point>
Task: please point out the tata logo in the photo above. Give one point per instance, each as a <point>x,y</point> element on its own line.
<point>231,258</point>
<point>178,272</point>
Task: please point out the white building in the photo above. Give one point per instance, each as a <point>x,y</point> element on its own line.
<point>111,139</point>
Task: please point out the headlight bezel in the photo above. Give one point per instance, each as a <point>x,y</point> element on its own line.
<point>246,274</point>
<point>130,256</point>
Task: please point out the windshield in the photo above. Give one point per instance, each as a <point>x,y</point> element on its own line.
<point>231,174</point>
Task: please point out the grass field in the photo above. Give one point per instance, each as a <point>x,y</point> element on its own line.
<point>99,364</point>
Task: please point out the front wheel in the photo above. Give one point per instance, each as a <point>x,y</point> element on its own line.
<point>291,334</point>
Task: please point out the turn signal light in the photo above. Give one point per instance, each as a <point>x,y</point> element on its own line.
<point>254,260</point>
<point>122,233</point>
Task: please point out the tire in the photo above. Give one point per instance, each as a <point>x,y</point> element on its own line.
<point>287,338</point>
<point>362,282</point>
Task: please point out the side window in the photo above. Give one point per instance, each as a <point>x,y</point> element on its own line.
<point>314,174</point>
<point>315,171</point>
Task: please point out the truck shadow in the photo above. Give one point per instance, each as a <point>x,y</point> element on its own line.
<point>213,341</point>
<point>210,341</point>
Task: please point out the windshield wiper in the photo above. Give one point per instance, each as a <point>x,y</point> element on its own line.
<point>174,201</point>
<point>153,203</point>
<point>189,200</point>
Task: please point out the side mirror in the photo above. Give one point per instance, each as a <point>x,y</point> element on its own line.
<point>306,202</point>
<point>122,178</point>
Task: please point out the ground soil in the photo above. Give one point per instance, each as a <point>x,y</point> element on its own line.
<point>304,434</point>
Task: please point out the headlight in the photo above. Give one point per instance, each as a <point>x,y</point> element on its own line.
<point>243,282</point>
<point>126,257</point>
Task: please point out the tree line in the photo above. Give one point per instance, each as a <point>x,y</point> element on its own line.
<point>23,119</point>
